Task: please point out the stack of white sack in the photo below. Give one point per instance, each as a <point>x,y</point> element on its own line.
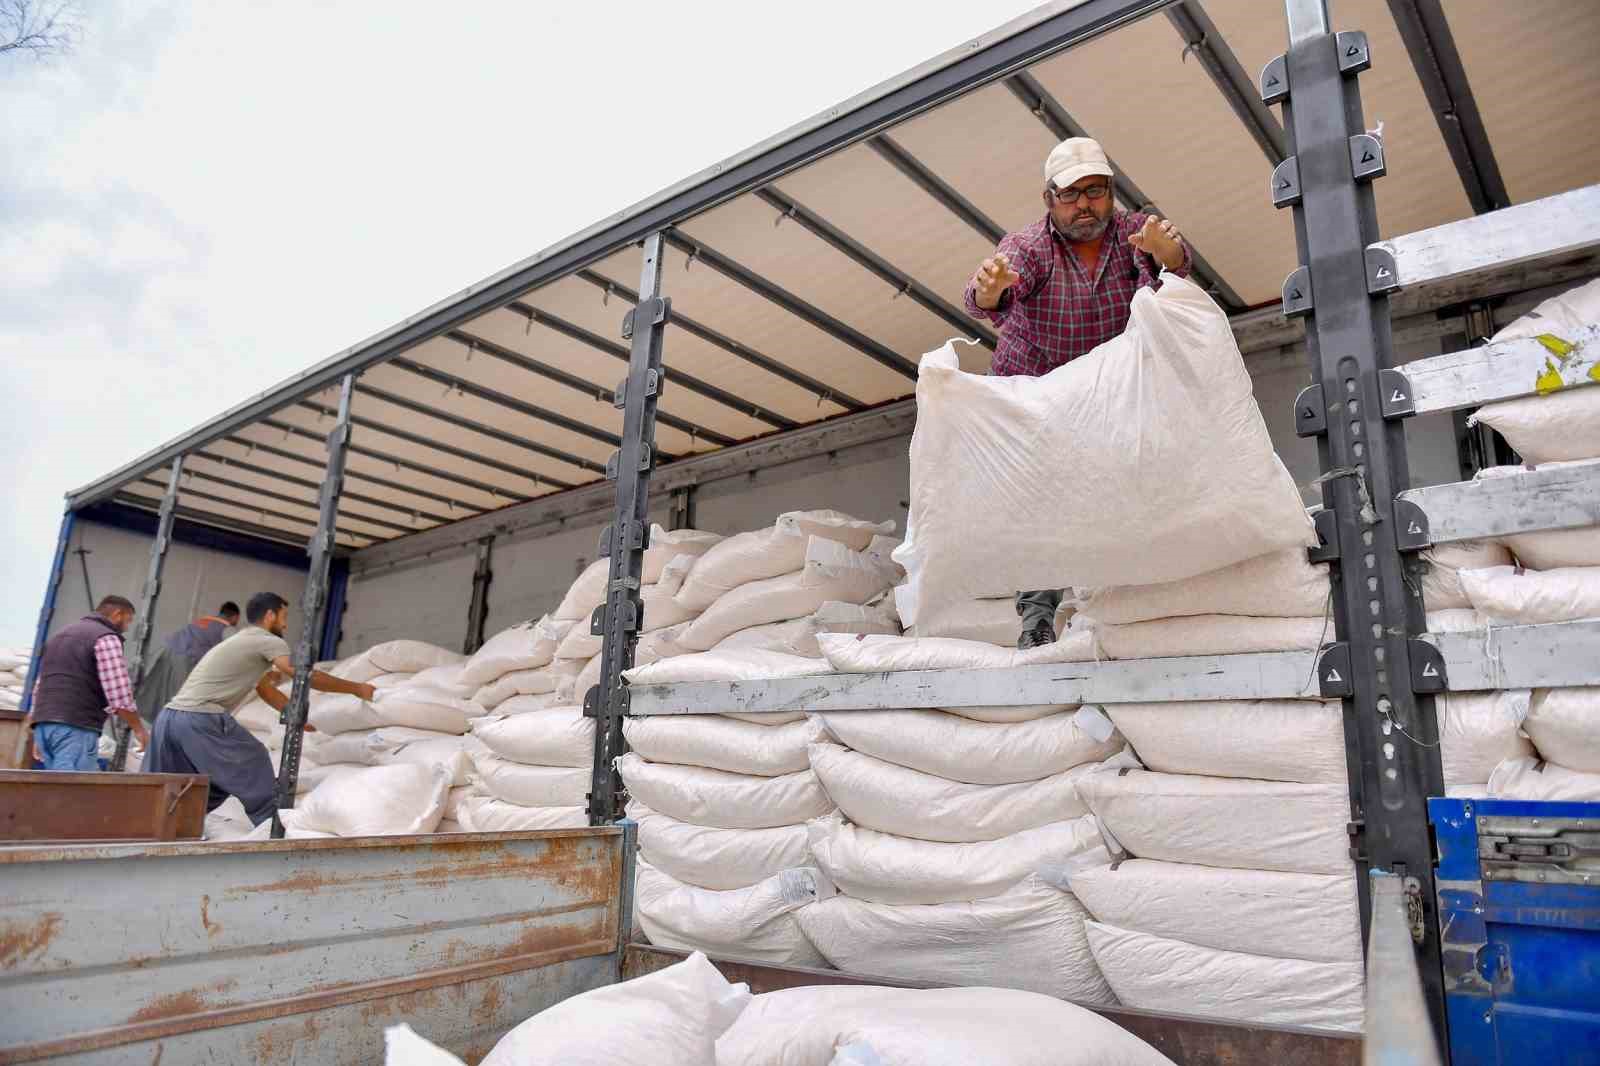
<point>1165,438</point>
<point>956,828</point>
<point>722,800</point>
<point>399,799</point>
<point>13,676</point>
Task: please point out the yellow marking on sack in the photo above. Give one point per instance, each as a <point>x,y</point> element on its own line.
<point>1549,380</point>
<point>1556,345</point>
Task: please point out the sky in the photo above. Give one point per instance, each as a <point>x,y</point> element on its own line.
<point>204,199</point>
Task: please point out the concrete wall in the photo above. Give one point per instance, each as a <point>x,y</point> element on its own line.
<point>195,580</point>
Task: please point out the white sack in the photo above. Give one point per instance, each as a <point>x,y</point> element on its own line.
<point>587,678</point>
<point>659,612</point>
<point>1212,634</point>
<point>720,743</point>
<point>586,592</point>
<point>1480,730</point>
<point>874,866</point>
<point>357,801</point>
<point>1227,822</point>
<point>561,736</point>
<point>481,813</point>
<point>672,1017</point>
<point>756,923</point>
<point>1030,938</point>
<point>708,857</point>
<point>1507,595</point>
<point>799,636</point>
<point>925,1027</point>
<point>1565,726</point>
<point>1164,436</point>
<point>228,822</point>
<point>1532,779</point>
<point>854,533</point>
<point>832,572</point>
<point>909,803</point>
<point>525,646</point>
<point>1314,917</point>
<point>403,1047</point>
<point>990,621</point>
<point>959,749</point>
<point>339,713</point>
<point>1155,973</point>
<point>544,701</point>
<point>1281,584</point>
<point>874,654</point>
<point>660,644</point>
<point>721,799</point>
<point>410,656</point>
<point>445,679</point>
<point>667,545</point>
<point>1553,548</point>
<point>1441,582</point>
<point>532,786</point>
<point>517,683</point>
<point>739,665</point>
<point>771,552</point>
<point>449,753</point>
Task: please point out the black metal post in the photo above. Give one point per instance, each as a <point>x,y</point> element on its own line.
<point>314,606</point>
<point>625,539</point>
<point>1391,734</point>
<point>145,620</point>
<point>682,513</point>
<point>478,609</point>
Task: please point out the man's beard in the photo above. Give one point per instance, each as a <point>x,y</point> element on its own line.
<point>1088,229</point>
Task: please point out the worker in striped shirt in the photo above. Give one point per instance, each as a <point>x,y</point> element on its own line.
<point>1064,285</point>
<point>82,679</point>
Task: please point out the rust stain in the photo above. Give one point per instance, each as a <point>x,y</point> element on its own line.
<point>489,1009</point>
<point>212,928</point>
<point>177,1004</point>
<point>20,941</point>
<point>161,1049</point>
<point>574,862</point>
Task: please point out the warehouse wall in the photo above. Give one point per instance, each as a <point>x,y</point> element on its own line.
<point>195,580</point>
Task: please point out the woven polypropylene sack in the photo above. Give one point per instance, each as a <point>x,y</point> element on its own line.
<point>1281,584</point>
<point>376,801</point>
<point>1564,724</point>
<point>1551,549</point>
<point>721,799</point>
<point>1507,595</point>
<point>483,813</point>
<point>561,736</point>
<point>1530,778</point>
<point>1164,437</point>
<point>720,743</point>
<point>708,857</point>
<point>756,923</point>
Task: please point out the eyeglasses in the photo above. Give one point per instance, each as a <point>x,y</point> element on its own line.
<point>1071,196</point>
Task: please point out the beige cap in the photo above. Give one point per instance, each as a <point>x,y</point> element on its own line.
<point>1074,158</point>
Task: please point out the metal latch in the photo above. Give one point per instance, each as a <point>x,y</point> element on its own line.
<point>1563,851</point>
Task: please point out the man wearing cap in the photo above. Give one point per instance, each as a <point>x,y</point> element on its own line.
<point>1064,285</point>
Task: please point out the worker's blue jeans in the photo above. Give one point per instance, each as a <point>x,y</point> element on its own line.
<point>67,747</point>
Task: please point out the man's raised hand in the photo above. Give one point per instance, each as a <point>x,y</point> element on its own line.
<point>993,278</point>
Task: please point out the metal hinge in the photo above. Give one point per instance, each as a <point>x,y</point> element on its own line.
<point>1539,850</point>
<point>1326,523</point>
<point>1333,672</point>
<point>654,382</point>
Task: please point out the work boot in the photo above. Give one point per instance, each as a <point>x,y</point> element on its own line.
<point>1037,635</point>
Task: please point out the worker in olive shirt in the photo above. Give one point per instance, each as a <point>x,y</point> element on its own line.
<point>1063,286</point>
<point>197,734</point>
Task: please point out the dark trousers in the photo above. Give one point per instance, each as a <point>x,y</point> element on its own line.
<point>192,742</point>
<point>1036,607</point>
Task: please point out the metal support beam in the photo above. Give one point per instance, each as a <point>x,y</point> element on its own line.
<point>1237,87</point>
<point>41,631</point>
<point>744,352</point>
<point>288,429</point>
<point>145,620</point>
<point>211,497</point>
<point>625,539</point>
<point>1427,37</point>
<point>1504,371</point>
<point>478,608</point>
<point>1554,655</point>
<point>590,390</point>
<point>902,283</point>
<point>617,351</point>
<point>937,187</point>
<point>283,497</point>
<point>1048,110</point>
<point>801,309</point>
<point>682,513</point>
<point>205,518</point>
<point>350,497</point>
<point>1391,732</point>
<point>1550,497</point>
<point>313,606</point>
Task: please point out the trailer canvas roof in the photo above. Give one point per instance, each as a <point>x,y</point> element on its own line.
<point>808,274</point>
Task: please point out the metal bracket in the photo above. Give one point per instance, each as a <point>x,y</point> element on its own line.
<point>1366,157</point>
<point>1539,849</point>
<point>591,701</point>
<point>1275,80</point>
<point>1327,528</point>
<point>646,461</point>
<point>1382,274</point>
<point>1297,293</point>
<point>1356,830</point>
<point>1310,414</point>
<point>655,381</point>
<point>657,310</point>
<point>1412,888</point>
<point>637,535</point>
<point>1427,667</point>
<point>1354,53</point>
<point>1411,526</point>
<point>1394,394</point>
<point>1333,672</point>
<point>630,618</point>
<point>1286,183</point>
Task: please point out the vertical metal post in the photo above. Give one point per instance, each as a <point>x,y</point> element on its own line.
<point>314,606</point>
<point>41,632</point>
<point>1391,734</point>
<point>478,609</point>
<point>338,596</point>
<point>625,539</point>
<point>682,513</point>
<point>145,621</point>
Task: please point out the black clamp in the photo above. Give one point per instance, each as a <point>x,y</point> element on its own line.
<point>1366,157</point>
<point>1411,531</point>
<point>1326,522</point>
<point>655,311</point>
<point>1275,80</point>
<point>1382,274</point>
<point>646,461</point>
<point>1333,672</point>
<point>1427,666</point>
<point>1354,53</point>
<point>630,617</point>
<point>636,535</point>
<point>591,701</point>
<point>1286,183</point>
<point>1310,413</point>
<point>654,383</point>
<point>1297,293</point>
<point>1394,394</point>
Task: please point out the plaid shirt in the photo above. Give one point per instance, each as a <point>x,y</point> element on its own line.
<point>113,667</point>
<point>1056,312</point>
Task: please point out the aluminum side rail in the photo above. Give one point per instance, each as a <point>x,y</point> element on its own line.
<point>1505,370</point>
<point>1546,498</point>
<point>1553,655</point>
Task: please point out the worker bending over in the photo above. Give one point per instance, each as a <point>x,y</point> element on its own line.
<point>1064,285</point>
<point>196,732</point>
<point>82,679</point>
<point>183,650</point>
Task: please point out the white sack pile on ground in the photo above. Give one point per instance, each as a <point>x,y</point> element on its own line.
<point>13,676</point>
<point>1165,438</point>
<point>690,1015</point>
